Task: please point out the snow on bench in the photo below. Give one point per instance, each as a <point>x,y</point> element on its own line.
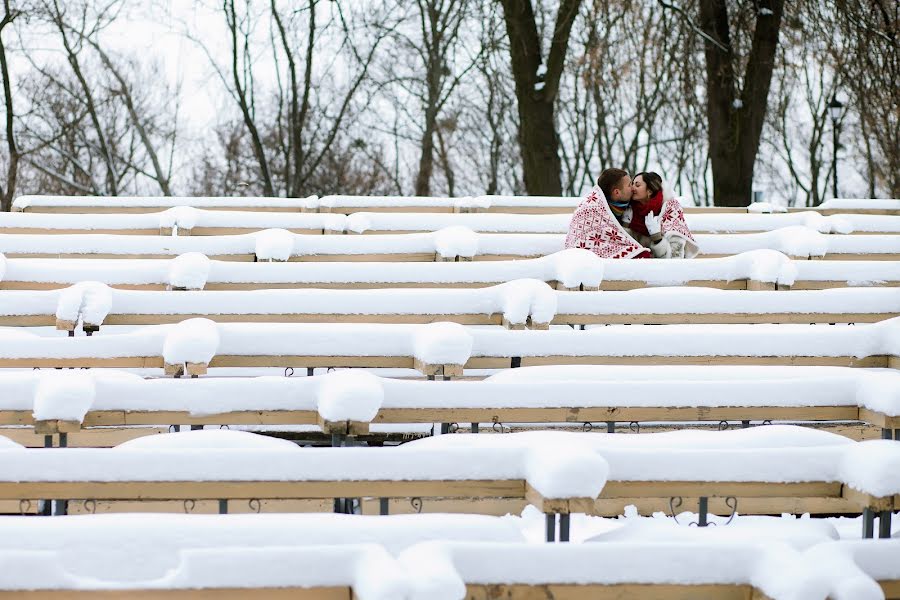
<point>763,470</point>
<point>187,220</point>
<point>569,269</point>
<point>514,305</point>
<point>179,220</point>
<point>348,402</point>
<point>450,243</point>
<point>446,348</point>
<point>344,204</point>
<point>233,465</point>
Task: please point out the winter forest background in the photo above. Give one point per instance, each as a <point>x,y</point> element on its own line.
<point>448,97</point>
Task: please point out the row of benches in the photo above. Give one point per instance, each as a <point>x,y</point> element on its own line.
<point>350,402</point>
<point>446,348</point>
<point>342,204</point>
<point>514,305</point>
<point>189,221</point>
<point>452,243</point>
<point>412,558</point>
<point>568,270</point>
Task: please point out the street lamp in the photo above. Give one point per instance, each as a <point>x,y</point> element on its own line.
<point>835,110</point>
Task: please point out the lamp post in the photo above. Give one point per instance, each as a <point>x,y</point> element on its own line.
<point>835,109</point>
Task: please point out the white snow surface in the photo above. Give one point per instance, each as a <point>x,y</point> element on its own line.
<point>442,343</point>
<point>860,203</point>
<point>274,244</point>
<point>64,396</point>
<point>89,302</point>
<point>353,395</point>
<point>207,439</point>
<point>191,341</point>
<point>189,271</point>
<point>30,201</point>
<point>350,396</point>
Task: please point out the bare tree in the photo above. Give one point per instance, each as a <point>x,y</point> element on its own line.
<point>537,85</point>
<point>739,66</point>
<point>12,168</point>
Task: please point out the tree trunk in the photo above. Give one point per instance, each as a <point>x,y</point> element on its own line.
<point>735,117</point>
<point>426,159</point>
<point>536,95</point>
<point>12,170</point>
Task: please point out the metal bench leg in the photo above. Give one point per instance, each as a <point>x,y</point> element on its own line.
<point>564,526</point>
<point>223,507</point>
<point>60,508</point>
<point>384,506</point>
<point>474,427</point>
<point>886,434</point>
<point>704,512</point>
<point>610,427</point>
<point>551,526</point>
<point>884,524</point>
<point>868,519</point>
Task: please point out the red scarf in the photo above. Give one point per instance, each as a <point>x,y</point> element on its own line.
<point>640,210</point>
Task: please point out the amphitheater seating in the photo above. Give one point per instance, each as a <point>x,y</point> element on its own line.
<point>511,332</point>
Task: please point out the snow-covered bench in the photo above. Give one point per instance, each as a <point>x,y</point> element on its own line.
<point>514,305</point>
<point>232,465</point>
<point>446,348</point>
<point>343,204</point>
<point>438,557</point>
<point>570,270</point>
<point>763,470</point>
<point>190,221</point>
<point>350,402</point>
<point>448,244</point>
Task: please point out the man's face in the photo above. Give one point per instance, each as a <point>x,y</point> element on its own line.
<point>622,191</point>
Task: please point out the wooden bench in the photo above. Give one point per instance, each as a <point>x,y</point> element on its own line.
<point>189,221</point>
<point>722,395</point>
<point>349,204</point>
<point>506,305</point>
<point>397,346</point>
<point>446,244</point>
<point>753,271</point>
<point>729,471</point>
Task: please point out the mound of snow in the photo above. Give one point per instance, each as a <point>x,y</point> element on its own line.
<point>442,344</point>
<point>566,472</point>
<point>575,267</point>
<point>455,241</point>
<point>350,396</point>
<point>191,341</point>
<point>274,244</point>
<point>189,271</point>
<point>527,297</point>
<point>64,396</point>
<point>180,217</point>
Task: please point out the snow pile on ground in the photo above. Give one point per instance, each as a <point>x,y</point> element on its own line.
<point>189,271</point>
<point>191,341</point>
<point>64,397</point>
<point>442,344</point>
<point>350,396</point>
<point>451,242</point>
<point>274,244</point>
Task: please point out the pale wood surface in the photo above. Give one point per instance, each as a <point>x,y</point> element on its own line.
<point>318,593</point>
<point>630,591</point>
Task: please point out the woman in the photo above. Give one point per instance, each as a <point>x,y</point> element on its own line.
<point>655,219</point>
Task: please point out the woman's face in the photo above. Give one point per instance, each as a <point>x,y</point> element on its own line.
<point>639,191</point>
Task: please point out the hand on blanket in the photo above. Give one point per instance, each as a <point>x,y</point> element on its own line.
<point>652,223</point>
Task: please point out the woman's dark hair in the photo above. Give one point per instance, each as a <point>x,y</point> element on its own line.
<point>652,180</point>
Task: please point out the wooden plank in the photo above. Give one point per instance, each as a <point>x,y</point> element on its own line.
<point>719,489</point>
<point>77,231</point>
<point>647,506</point>
<point>838,361</point>
<point>387,362</point>
<point>80,209</point>
<point>396,257</point>
<point>121,362</point>
<point>199,490</point>
<point>280,593</point>
<point>104,437</point>
<point>497,507</point>
<point>149,256</point>
<point>392,318</point>
<point>718,318</point>
<point>200,507</point>
<point>891,588</point>
<point>575,414</point>
<point>622,591</point>
<point>879,419</point>
<point>864,500</point>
